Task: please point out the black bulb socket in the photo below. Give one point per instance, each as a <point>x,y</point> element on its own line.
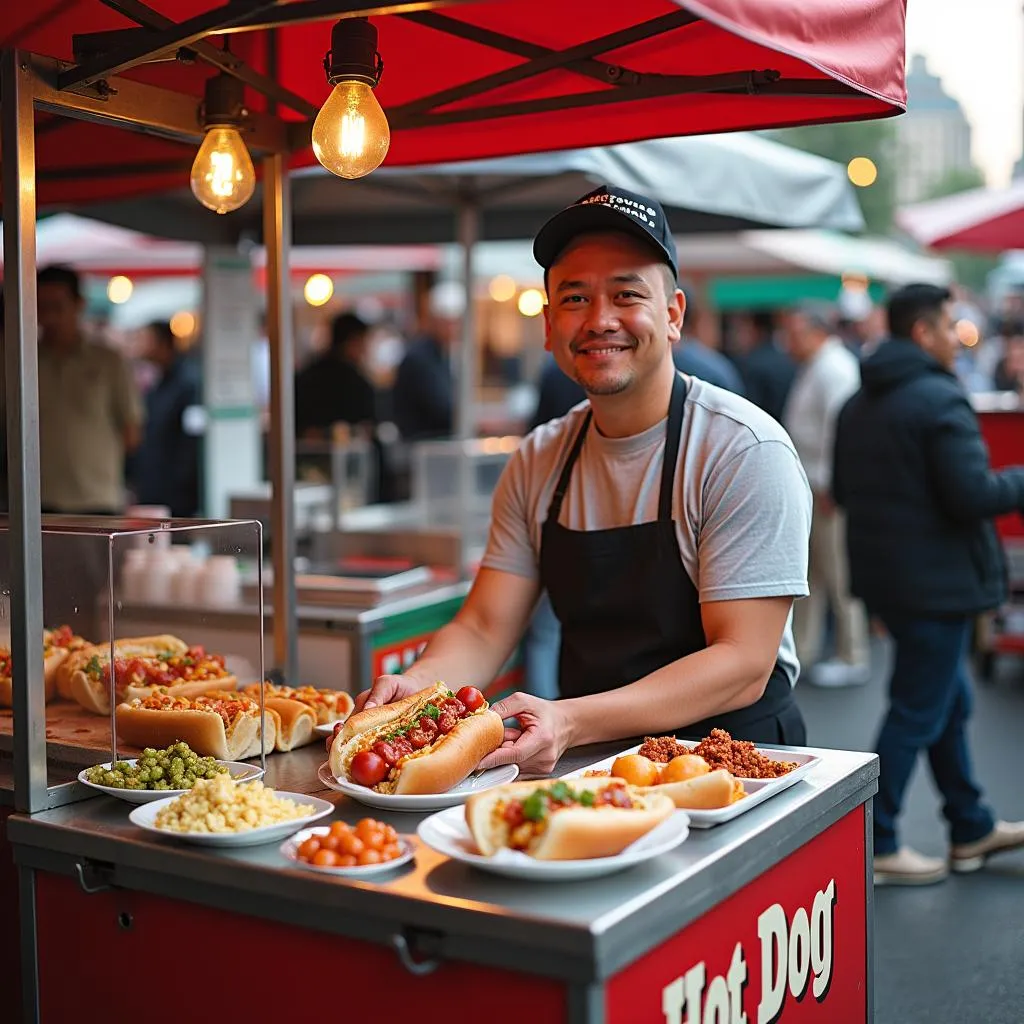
<point>223,102</point>
<point>353,55</point>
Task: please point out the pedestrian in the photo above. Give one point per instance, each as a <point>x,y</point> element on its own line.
<point>827,375</point>
<point>667,519</point>
<point>90,412</point>
<point>165,467</point>
<point>912,472</point>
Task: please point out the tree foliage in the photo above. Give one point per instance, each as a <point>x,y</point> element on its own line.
<point>842,142</point>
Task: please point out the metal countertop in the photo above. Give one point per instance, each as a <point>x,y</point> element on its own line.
<point>577,931</point>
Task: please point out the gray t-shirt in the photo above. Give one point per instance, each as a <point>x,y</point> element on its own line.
<point>742,506</point>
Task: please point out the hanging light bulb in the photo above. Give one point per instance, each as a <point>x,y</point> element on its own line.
<point>223,177</point>
<point>351,134</point>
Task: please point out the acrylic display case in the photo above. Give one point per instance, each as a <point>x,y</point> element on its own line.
<point>96,573</point>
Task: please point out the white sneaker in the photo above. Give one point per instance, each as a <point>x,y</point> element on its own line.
<point>834,674</point>
<point>908,867</point>
<point>1007,835</point>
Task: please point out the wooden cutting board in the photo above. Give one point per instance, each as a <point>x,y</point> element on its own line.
<point>73,735</point>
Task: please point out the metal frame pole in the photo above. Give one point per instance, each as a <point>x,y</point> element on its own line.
<point>465,418</point>
<point>277,229</point>
<point>21,367</point>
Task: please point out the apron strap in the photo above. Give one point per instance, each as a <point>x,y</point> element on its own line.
<point>672,438</point>
<point>555,508</point>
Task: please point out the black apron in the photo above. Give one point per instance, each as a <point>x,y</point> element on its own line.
<point>627,606</point>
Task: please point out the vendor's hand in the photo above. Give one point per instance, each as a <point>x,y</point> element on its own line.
<point>542,738</point>
<point>386,690</point>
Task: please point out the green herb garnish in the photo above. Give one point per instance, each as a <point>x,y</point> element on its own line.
<point>165,655</point>
<point>450,693</point>
<point>561,793</point>
<point>587,798</point>
<point>94,668</point>
<point>432,711</point>
<point>401,731</point>
<point>535,806</point>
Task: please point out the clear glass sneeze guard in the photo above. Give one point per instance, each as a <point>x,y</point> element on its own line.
<point>106,580</point>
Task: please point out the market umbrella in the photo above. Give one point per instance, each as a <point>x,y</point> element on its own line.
<point>461,80</point>
<point>982,220</point>
<point>705,183</point>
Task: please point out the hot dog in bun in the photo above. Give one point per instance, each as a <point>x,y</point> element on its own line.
<point>58,645</point>
<point>223,725</point>
<point>143,667</point>
<point>687,780</point>
<point>426,743</point>
<point>564,820</point>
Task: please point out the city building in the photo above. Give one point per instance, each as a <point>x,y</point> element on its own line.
<point>933,137</point>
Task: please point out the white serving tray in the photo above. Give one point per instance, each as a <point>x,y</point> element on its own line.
<point>757,790</point>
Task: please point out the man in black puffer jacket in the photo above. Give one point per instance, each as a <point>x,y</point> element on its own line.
<point>913,474</point>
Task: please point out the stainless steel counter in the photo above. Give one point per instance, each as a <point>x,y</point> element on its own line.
<point>581,931</point>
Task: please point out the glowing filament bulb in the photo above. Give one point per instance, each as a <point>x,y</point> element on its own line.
<point>223,177</point>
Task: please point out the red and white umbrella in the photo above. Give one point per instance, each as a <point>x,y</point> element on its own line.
<point>981,220</point>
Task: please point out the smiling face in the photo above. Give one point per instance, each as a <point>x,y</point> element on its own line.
<point>613,314</point>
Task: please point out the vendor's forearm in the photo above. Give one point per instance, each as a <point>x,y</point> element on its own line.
<point>458,655</point>
<point>691,689</point>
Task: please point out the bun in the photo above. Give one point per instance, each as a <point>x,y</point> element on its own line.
<point>203,730</point>
<point>434,769</point>
<point>295,722</point>
<point>386,714</point>
<point>574,833</point>
<point>94,695</point>
<point>50,666</point>
<point>706,792</point>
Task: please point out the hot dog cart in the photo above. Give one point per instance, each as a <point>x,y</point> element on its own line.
<point>768,915</point>
<point>1001,417</point>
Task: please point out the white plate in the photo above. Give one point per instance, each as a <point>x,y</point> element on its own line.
<point>448,833</point>
<point>290,846</point>
<point>757,790</point>
<point>145,816</point>
<point>239,771</point>
<point>430,801</point>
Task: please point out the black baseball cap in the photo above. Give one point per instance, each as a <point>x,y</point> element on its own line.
<point>607,208</point>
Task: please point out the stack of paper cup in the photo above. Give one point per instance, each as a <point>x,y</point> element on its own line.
<point>133,575</point>
<point>186,583</point>
<point>161,567</point>
<point>221,582</point>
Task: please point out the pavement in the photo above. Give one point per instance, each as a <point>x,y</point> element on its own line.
<point>951,953</point>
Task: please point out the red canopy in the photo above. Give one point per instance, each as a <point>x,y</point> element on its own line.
<point>982,220</point>
<point>472,80</point>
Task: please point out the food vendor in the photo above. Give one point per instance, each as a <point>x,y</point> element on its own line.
<point>668,519</point>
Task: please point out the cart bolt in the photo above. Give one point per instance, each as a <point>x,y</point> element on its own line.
<point>125,921</point>
<point>185,56</point>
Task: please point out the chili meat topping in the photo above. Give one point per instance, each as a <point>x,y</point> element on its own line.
<point>720,750</point>
<point>228,709</point>
<point>435,720</point>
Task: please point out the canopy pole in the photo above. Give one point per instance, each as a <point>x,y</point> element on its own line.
<point>21,368</point>
<point>469,234</point>
<point>465,425</point>
<point>277,219</point>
